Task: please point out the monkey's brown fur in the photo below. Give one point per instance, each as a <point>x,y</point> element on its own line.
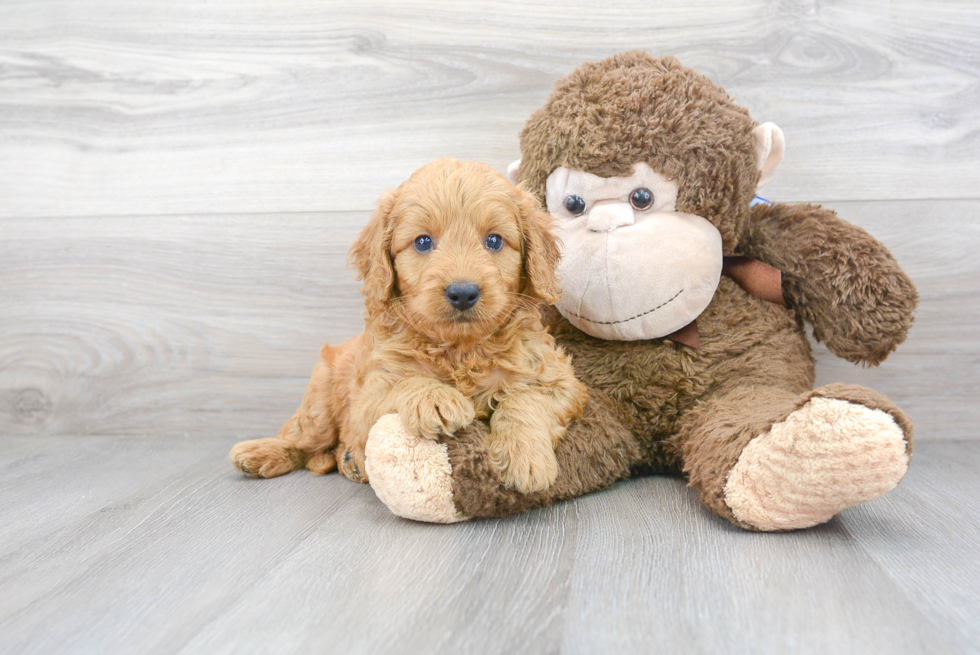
<point>659,406</point>
<point>437,366</point>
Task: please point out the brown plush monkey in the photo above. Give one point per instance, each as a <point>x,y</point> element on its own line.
<point>677,319</point>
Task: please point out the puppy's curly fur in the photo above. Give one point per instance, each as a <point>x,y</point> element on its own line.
<point>438,365</point>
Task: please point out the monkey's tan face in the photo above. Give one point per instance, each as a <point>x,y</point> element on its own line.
<point>632,266</point>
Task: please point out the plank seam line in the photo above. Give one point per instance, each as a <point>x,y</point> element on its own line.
<point>314,213</point>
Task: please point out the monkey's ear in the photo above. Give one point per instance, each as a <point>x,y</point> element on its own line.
<point>541,250</point>
<point>371,256</point>
<point>514,172</point>
<point>770,146</point>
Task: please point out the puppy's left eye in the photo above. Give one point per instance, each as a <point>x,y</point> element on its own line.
<point>423,243</point>
<point>494,243</point>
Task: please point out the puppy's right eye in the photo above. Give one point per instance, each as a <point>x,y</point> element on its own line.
<point>575,205</point>
<point>423,243</point>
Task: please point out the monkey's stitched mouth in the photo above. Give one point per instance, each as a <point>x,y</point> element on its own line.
<point>627,320</point>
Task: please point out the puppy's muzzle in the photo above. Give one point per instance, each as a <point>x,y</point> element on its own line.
<point>462,295</point>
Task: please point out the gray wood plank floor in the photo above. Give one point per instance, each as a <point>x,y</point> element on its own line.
<point>117,107</point>
<point>155,545</point>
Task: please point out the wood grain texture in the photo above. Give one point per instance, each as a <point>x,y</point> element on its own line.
<point>211,325</point>
<point>179,107</point>
<point>151,326</point>
<point>939,491</point>
<point>193,558</point>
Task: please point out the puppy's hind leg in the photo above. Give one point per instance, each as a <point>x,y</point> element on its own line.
<point>307,439</point>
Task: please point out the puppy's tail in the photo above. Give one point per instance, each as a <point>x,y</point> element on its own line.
<point>328,354</point>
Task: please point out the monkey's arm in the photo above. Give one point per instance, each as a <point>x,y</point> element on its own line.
<point>837,277</point>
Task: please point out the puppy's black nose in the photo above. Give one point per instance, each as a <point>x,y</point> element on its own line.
<point>462,295</point>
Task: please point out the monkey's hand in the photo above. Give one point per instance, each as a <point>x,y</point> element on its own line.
<point>837,277</point>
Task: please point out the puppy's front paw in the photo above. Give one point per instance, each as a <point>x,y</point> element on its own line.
<point>528,465</point>
<point>442,410</point>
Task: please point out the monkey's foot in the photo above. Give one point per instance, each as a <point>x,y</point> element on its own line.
<point>828,455</point>
<point>410,474</point>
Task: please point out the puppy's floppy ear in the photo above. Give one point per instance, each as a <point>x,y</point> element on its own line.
<point>371,256</point>
<point>541,249</point>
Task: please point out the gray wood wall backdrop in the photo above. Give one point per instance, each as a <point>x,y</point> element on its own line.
<point>180,180</point>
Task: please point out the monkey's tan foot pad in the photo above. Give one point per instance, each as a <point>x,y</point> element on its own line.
<point>827,456</point>
<point>410,474</point>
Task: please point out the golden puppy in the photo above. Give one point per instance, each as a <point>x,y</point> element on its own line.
<point>454,263</point>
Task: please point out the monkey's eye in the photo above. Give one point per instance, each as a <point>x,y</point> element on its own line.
<point>641,198</point>
<point>494,242</point>
<point>423,243</point>
<point>574,205</point>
